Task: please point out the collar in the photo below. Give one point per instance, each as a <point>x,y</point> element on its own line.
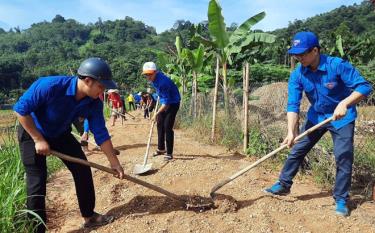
<point>321,67</point>
<point>72,88</point>
<point>157,77</point>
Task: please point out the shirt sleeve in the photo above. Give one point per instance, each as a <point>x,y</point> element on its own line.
<point>37,94</point>
<point>353,79</point>
<point>294,93</point>
<point>164,94</point>
<point>97,123</point>
<point>86,126</point>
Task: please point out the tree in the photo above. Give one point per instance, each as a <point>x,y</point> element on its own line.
<point>195,60</point>
<point>226,44</point>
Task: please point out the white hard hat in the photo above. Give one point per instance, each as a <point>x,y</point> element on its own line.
<point>149,68</point>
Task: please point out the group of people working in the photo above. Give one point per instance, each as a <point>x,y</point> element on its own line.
<point>46,112</point>
<point>48,108</point>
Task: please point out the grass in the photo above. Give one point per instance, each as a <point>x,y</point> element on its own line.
<point>366,112</point>
<point>13,216</point>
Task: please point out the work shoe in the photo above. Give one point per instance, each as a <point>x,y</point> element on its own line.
<point>278,189</point>
<point>342,208</point>
<point>159,152</point>
<point>168,157</point>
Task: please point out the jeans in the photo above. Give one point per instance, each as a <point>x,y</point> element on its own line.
<point>165,122</point>
<point>36,174</point>
<point>343,151</point>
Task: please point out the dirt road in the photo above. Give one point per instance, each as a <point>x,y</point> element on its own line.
<point>194,171</point>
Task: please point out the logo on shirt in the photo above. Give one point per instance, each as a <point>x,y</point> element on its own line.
<point>330,85</point>
<point>296,42</point>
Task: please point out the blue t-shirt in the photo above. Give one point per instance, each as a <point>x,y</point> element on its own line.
<point>137,98</point>
<point>51,103</point>
<point>166,89</point>
<point>334,80</point>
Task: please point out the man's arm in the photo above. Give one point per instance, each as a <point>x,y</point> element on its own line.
<point>293,107</point>
<point>342,107</point>
<point>108,150</point>
<point>354,80</point>
<point>41,145</point>
<point>293,118</point>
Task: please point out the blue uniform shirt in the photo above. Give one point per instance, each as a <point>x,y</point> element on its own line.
<point>51,103</point>
<point>86,126</point>
<point>334,80</point>
<point>166,89</point>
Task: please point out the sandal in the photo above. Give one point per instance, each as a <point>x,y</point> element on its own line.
<point>159,152</point>
<point>168,157</point>
<point>98,220</point>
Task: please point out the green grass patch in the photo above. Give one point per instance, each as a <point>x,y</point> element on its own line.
<point>13,216</point>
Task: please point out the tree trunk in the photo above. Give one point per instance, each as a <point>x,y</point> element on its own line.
<point>183,87</point>
<point>194,94</point>
<point>225,90</point>
<point>215,101</point>
<point>246,108</point>
<point>292,63</point>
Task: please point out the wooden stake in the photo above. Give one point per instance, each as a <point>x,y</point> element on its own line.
<point>246,108</point>
<point>215,101</point>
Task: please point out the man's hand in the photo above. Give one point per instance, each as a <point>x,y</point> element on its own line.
<point>289,139</point>
<point>42,147</point>
<point>120,171</point>
<point>340,111</point>
<point>155,117</point>
<point>85,136</point>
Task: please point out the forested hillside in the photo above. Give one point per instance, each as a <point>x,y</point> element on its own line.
<point>57,47</point>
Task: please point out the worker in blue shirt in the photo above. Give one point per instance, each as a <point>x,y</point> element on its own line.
<point>82,127</point>
<point>165,116</point>
<point>46,112</point>
<point>333,87</point>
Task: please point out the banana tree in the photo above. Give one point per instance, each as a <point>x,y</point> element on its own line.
<point>195,60</point>
<point>226,43</point>
<point>181,64</point>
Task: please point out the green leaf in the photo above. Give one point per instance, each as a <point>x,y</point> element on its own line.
<point>216,25</point>
<point>245,27</point>
<point>339,45</point>
<point>178,45</point>
<point>206,42</point>
<point>199,55</point>
<point>251,37</point>
<point>189,56</point>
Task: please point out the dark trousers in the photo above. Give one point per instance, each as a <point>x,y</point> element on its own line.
<point>36,174</point>
<point>79,125</point>
<point>147,111</point>
<point>131,105</point>
<point>343,151</point>
<point>165,122</point>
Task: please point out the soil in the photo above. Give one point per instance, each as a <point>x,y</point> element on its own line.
<point>240,206</point>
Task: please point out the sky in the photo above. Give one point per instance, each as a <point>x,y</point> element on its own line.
<point>162,14</point>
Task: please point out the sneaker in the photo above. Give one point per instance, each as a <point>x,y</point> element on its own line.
<point>278,189</point>
<point>168,157</point>
<point>342,208</point>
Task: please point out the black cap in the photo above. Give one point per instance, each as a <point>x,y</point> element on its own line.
<point>97,69</point>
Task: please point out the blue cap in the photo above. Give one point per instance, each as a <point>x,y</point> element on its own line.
<point>302,42</point>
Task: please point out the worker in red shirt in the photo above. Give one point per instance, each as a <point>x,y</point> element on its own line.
<point>115,101</point>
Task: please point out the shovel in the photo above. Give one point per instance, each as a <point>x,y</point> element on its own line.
<point>127,177</point>
<point>256,163</point>
<point>143,168</point>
